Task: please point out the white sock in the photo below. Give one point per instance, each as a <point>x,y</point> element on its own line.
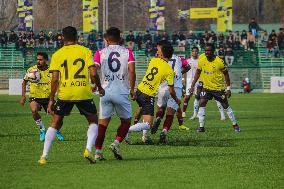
<point>139,127</point>
<point>40,124</point>
<point>145,133</point>
<point>201,115</point>
<point>231,115</point>
<point>196,106</point>
<point>165,131</point>
<point>49,138</point>
<point>221,109</point>
<point>92,134</point>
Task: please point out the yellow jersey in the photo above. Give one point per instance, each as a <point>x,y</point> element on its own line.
<point>212,73</point>
<point>158,71</point>
<point>73,62</point>
<point>40,89</point>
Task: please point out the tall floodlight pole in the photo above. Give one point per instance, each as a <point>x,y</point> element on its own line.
<point>57,11</point>
<point>123,13</point>
<point>104,16</point>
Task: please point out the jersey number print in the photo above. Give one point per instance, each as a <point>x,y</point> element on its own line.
<point>111,59</point>
<point>77,74</point>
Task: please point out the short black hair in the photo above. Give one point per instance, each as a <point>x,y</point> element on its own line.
<point>113,34</point>
<point>195,48</point>
<point>167,48</point>
<point>70,33</point>
<point>211,45</point>
<point>43,54</point>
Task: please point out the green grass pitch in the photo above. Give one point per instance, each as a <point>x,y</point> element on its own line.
<point>218,158</point>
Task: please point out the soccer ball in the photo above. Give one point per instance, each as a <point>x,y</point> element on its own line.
<point>33,75</point>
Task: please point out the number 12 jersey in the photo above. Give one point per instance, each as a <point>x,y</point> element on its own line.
<point>73,62</point>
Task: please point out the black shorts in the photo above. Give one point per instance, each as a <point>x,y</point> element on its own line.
<point>146,102</point>
<point>86,107</point>
<point>43,103</point>
<point>218,95</point>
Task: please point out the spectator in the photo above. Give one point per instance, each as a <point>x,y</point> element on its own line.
<point>253,27</point>
<point>280,40</point>
<point>81,39</point>
<point>4,39</point>
<point>13,37</point>
<point>31,40</point>
<point>50,39</point>
<point>221,53</point>
<point>91,40</point>
<point>264,37</point>
<point>148,48</point>
<point>99,41</point>
<point>270,49</point>
<point>230,39</point>
<point>251,41</point>
<point>157,38</point>
<point>160,22</point>
<point>191,38</point>
<point>147,36</point>
<point>139,41</point>
<point>246,86</point>
<point>130,39</point>
<point>213,37</point>
<point>41,39</point>
<point>237,42</point>
<point>221,40</point>
<point>165,36</point>
<point>181,40</point>
<point>229,56</point>
<point>244,41</point>
<point>174,38</point>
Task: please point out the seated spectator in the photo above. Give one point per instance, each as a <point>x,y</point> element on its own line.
<point>229,56</point>
<point>181,40</point>
<point>237,42</point>
<point>221,40</point>
<point>244,41</point>
<point>213,38</point>
<point>246,86</point>
<point>165,36</point>
<point>174,38</point>
<point>130,39</point>
<point>99,41</point>
<point>3,39</point>
<point>280,40</point>
<point>264,37</point>
<point>157,37</point>
<point>251,41</point>
<point>30,39</point>
<point>91,40</point>
<point>81,39</point>
<point>50,39</point>
<point>41,39</point>
<point>148,48</point>
<point>139,41</point>
<point>147,36</point>
<point>191,38</point>
<point>221,53</point>
<point>230,39</point>
<point>13,37</point>
<point>270,49</point>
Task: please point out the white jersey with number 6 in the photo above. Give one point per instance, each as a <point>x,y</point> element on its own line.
<point>114,61</point>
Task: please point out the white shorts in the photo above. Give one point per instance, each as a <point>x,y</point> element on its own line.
<point>163,97</point>
<point>120,103</point>
<point>171,102</point>
<point>188,85</point>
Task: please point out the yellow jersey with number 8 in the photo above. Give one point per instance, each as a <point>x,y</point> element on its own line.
<point>158,71</point>
<point>73,62</point>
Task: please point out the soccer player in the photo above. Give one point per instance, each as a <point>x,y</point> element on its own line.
<point>213,71</point>
<point>118,76</point>
<point>72,67</point>
<point>39,93</point>
<point>193,63</point>
<point>158,71</point>
<point>180,67</point>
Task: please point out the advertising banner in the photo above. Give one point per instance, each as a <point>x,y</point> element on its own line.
<point>25,15</point>
<point>157,8</point>
<point>277,85</point>
<point>90,15</point>
<point>196,13</point>
<point>225,15</point>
